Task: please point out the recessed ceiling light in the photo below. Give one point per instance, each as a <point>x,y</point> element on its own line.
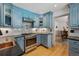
<point>55,5</point>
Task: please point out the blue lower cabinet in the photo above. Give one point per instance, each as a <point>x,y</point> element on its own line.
<point>45,40</point>
<point>20,42</point>
<point>73,15</point>
<point>73,47</point>
<point>38,39</point>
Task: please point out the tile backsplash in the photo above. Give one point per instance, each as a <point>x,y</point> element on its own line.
<point>10,31</point>
<point>76,33</point>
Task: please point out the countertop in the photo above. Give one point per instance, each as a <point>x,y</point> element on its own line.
<point>37,33</point>
<point>10,35</point>
<point>23,34</point>
<point>73,38</point>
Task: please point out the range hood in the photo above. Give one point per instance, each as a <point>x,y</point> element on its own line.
<point>25,19</point>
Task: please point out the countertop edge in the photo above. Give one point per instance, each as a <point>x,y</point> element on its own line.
<point>73,38</point>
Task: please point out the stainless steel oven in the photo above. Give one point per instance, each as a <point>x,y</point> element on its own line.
<point>30,42</point>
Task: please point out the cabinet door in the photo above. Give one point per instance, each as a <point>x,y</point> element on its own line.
<point>78,16</point>
<point>36,23</point>
<point>50,42</point>
<point>73,47</point>
<point>0,13</point>
<point>20,42</point>
<point>48,20</point>
<point>7,14</point>
<point>38,39</point>
<point>17,18</point>
<point>44,40</point>
<point>74,15</point>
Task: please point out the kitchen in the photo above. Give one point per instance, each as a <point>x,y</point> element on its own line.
<point>23,31</point>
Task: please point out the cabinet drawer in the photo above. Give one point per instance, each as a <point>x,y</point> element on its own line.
<point>74,43</point>
<point>72,53</point>
<point>75,49</point>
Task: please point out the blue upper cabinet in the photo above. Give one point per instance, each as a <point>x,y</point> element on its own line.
<point>74,15</point>
<point>6,14</point>
<point>36,23</point>
<point>48,20</point>
<point>12,16</point>
<point>45,20</point>
<point>0,14</point>
<point>17,18</point>
<point>19,14</point>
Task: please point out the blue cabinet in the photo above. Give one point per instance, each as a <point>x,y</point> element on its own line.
<point>0,14</point>
<point>36,23</point>
<point>45,40</point>
<point>17,18</point>
<point>48,20</point>
<point>20,42</point>
<point>73,47</point>
<point>73,15</point>
<point>11,15</point>
<point>44,21</point>
<point>38,39</point>
<point>6,14</point>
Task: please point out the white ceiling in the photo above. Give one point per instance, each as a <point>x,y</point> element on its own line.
<point>42,7</point>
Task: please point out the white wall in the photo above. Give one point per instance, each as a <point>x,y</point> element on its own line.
<point>61,22</point>
<point>60,12</point>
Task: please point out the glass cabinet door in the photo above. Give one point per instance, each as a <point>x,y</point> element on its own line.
<point>7,14</point>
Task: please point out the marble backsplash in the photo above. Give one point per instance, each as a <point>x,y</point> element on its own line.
<point>76,33</point>
<point>10,31</point>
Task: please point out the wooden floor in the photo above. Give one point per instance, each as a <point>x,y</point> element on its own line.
<point>60,49</point>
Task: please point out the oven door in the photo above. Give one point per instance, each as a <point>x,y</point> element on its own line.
<point>30,43</point>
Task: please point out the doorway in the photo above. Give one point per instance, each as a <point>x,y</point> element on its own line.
<point>61,29</point>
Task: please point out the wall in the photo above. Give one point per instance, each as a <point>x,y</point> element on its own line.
<point>61,22</point>
<point>60,12</point>
<point>76,33</point>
